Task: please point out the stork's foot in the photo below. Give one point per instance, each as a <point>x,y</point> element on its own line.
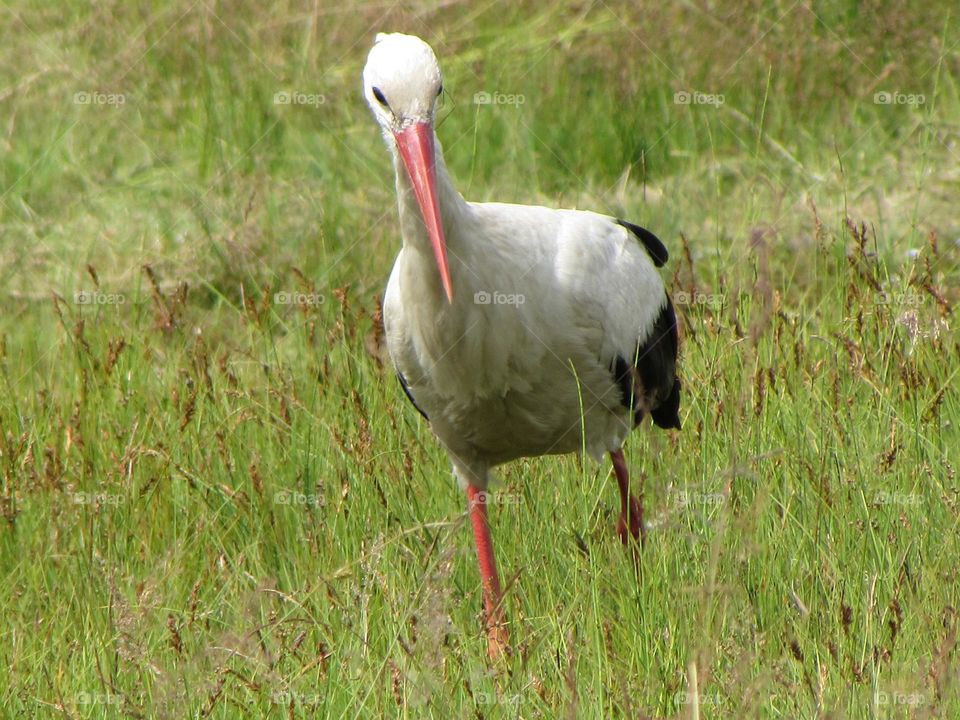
<point>631,527</point>
<point>494,622</point>
<point>498,641</point>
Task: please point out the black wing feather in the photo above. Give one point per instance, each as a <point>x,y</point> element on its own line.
<point>406,390</point>
<point>653,374</point>
<point>655,249</point>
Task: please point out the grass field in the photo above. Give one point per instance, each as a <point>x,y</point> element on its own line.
<point>218,503</point>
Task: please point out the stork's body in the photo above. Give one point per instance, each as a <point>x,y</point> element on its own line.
<point>545,303</point>
<point>516,330</point>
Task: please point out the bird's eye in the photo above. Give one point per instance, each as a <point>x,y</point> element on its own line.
<point>440,90</point>
<point>379,96</point>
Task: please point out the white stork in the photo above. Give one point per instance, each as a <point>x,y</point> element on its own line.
<point>517,331</point>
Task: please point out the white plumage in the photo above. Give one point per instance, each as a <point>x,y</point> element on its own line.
<point>517,330</point>
<point>497,379</point>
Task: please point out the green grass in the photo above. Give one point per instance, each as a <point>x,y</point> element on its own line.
<point>217,505</point>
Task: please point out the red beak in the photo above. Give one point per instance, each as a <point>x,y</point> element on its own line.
<point>415,144</point>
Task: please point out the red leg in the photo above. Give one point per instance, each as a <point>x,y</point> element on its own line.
<point>631,509</point>
<point>497,638</point>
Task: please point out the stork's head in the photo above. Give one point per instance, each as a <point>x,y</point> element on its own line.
<point>402,83</point>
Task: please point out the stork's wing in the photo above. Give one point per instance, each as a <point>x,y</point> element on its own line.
<point>406,390</point>
<point>652,374</point>
<point>648,379</point>
<point>655,249</point>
